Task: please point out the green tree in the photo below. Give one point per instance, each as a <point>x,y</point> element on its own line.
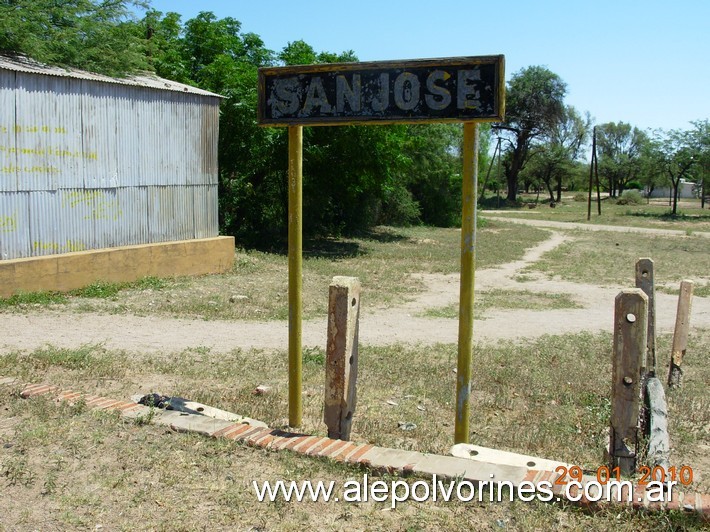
<point>164,45</point>
<point>554,160</point>
<point>701,141</point>
<point>534,104</point>
<point>93,35</point>
<point>677,152</point>
<point>620,151</point>
<point>434,172</point>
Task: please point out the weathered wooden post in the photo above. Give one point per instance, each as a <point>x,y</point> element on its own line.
<point>341,356</point>
<point>629,350</point>
<point>680,335</point>
<point>644,281</point>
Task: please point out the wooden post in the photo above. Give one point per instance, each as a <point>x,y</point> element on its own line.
<point>644,281</point>
<point>596,175</point>
<point>342,355</point>
<point>466,294</point>
<point>591,175</point>
<point>680,335</point>
<point>295,274</point>
<point>630,329</point>
<point>659,448</point>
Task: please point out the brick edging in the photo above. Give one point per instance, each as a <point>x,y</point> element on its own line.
<point>361,454</point>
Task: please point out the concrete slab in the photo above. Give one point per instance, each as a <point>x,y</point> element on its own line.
<point>495,456</point>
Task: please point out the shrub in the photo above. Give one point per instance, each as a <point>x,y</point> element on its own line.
<point>580,197</point>
<point>630,197</point>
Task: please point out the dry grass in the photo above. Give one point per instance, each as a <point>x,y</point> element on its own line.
<point>257,287</point>
<point>508,300</point>
<point>608,258</point>
<point>69,468</point>
<point>549,397</point>
<point>654,214</point>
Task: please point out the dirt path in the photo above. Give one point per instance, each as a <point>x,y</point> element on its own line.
<point>403,323</point>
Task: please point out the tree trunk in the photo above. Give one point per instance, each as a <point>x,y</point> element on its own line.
<point>550,191</point>
<point>512,180</point>
<point>675,196</point>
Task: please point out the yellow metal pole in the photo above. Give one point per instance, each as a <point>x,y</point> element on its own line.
<point>468,259</point>
<point>295,273</point>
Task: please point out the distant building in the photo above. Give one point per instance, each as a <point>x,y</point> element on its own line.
<point>686,190</point>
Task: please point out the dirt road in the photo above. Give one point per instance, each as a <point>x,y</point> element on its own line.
<point>403,323</point>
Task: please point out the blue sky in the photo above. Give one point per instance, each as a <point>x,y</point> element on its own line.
<point>642,62</point>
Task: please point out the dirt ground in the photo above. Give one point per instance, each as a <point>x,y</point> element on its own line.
<point>403,323</point>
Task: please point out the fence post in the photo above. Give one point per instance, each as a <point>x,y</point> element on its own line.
<point>341,356</point>
<point>680,335</point>
<point>629,350</point>
<point>644,281</point>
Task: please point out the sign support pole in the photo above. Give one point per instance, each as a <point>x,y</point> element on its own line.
<point>468,258</point>
<point>295,274</point>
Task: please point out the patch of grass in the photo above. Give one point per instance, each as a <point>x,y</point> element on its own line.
<point>33,299</point>
<point>97,290</point>
<point>507,300</point>
<point>87,360</point>
<point>699,289</point>
<point>106,290</point>
<point>608,259</point>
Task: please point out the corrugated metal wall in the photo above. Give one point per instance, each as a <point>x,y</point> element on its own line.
<point>87,165</point>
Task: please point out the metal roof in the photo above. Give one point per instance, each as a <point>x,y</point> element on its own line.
<point>25,64</point>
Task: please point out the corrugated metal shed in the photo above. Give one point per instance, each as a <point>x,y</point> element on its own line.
<point>88,161</point>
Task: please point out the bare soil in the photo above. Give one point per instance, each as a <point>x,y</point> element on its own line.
<point>401,323</point>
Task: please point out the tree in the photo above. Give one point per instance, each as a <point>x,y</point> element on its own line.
<point>92,35</point>
<point>434,171</point>
<point>677,153</point>
<point>164,45</point>
<point>620,149</point>
<point>701,141</point>
<point>534,104</point>
<point>555,159</point>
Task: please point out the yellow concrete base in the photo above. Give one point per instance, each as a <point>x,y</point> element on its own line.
<point>74,270</point>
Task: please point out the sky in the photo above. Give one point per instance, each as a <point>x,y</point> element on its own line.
<point>644,62</point>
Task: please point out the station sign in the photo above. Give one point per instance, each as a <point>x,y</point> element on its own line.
<point>425,90</point>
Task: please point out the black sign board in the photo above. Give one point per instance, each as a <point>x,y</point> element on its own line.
<point>426,90</point>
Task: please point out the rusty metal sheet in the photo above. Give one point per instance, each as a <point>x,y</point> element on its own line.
<point>429,90</point>
<point>100,123</point>
<point>170,213</point>
<point>14,225</point>
<point>59,222</point>
<point>8,151</point>
<point>50,152</point>
<point>26,65</point>
<point>86,164</point>
<point>131,224</point>
<point>206,222</point>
